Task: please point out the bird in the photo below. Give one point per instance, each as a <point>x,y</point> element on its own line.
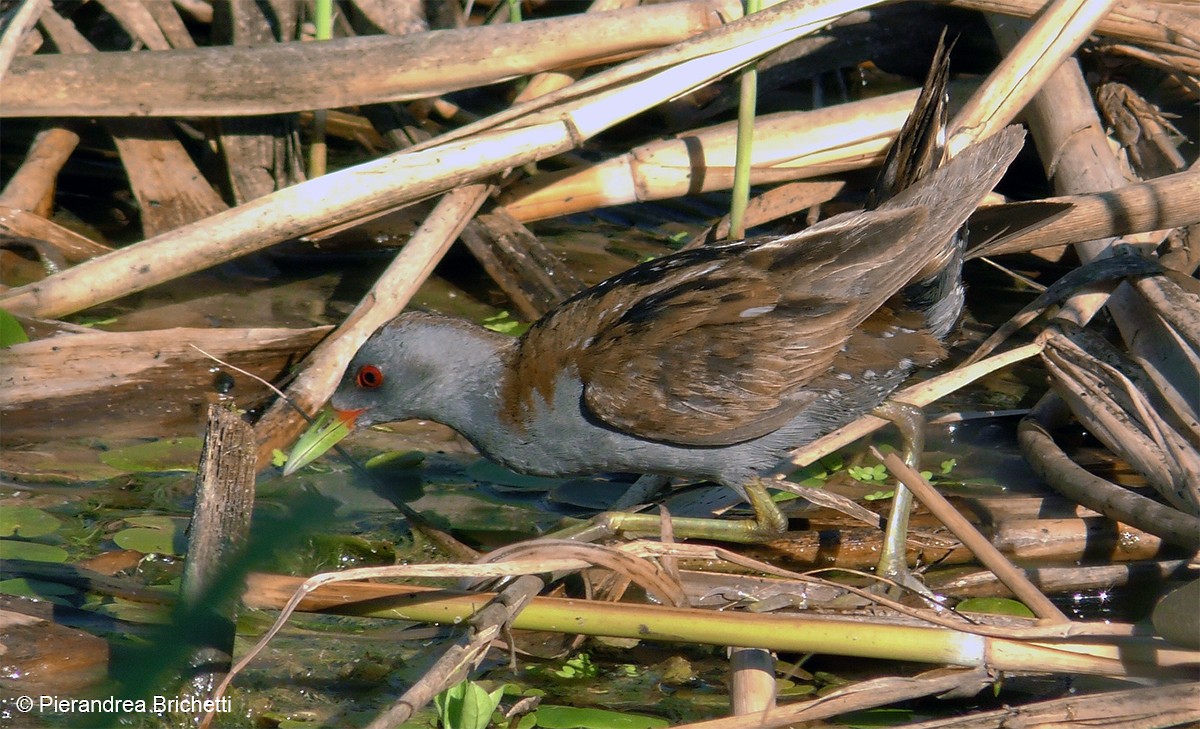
<point>708,363</point>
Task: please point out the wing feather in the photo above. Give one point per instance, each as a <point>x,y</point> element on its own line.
<point>716,345</point>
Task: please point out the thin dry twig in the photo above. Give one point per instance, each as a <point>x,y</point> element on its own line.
<point>979,545</point>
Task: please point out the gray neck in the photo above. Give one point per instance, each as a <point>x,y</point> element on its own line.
<point>466,395</point>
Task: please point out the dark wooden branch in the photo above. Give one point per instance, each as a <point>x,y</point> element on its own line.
<point>219,529</point>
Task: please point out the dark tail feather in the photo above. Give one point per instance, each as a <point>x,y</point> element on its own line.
<point>918,150</point>
<point>920,146</point>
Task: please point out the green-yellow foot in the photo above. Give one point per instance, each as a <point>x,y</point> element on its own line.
<point>893,560</point>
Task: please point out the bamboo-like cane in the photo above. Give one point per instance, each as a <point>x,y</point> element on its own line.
<point>1062,27</point>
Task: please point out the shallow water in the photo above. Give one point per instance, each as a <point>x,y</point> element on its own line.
<point>123,503</point>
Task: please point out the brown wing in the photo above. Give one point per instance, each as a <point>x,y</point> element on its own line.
<point>720,354</point>
<point>716,345</point>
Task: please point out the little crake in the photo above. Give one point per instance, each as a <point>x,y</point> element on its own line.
<point>708,363</point>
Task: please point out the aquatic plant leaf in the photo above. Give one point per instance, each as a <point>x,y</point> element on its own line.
<point>11,331</point>
<point>16,549</point>
<point>153,535</point>
<point>995,606</point>
<point>54,592</point>
<point>26,521</point>
<point>168,454</point>
<point>505,324</point>
<point>135,612</point>
<point>396,460</point>
<point>569,717</point>
<point>467,705</point>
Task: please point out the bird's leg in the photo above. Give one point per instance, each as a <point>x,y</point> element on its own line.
<point>893,560</point>
<point>768,522</point>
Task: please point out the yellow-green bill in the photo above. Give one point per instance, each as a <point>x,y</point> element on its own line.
<point>325,432</point>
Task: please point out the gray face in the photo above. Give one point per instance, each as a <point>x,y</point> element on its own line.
<point>380,386</point>
<point>416,366</point>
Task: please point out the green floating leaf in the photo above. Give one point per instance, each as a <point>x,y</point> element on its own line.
<point>505,324</point>
<point>39,590</point>
<point>153,534</point>
<point>868,474</point>
<point>11,331</point>
<point>467,705</point>
<point>795,690</point>
<point>995,606</point>
<point>579,666</point>
<point>627,670</point>
<point>135,612</point>
<point>569,717</point>
<point>26,521</point>
<point>396,460</point>
<point>15,549</point>
<point>160,456</point>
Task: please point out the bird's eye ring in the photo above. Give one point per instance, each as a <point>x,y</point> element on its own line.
<point>368,377</point>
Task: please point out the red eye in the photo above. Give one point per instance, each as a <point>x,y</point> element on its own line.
<point>368,377</point>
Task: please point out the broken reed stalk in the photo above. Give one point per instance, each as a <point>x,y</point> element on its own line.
<point>278,78</point>
<point>1115,401</point>
<point>32,185</point>
<point>787,146</point>
<point>19,23</point>
<point>1156,706</point>
<point>1033,540</point>
<point>860,696</point>
<point>21,222</point>
<point>1059,30</point>
<point>1138,575</point>
<point>1054,649</point>
<point>1075,148</point>
<point>1066,477</point>
<point>47,382</point>
<point>1138,207</point>
<point>464,656</point>
<point>291,212</point>
<point>752,683</point>
<point>220,526</point>
<point>387,298</point>
<point>1165,26</point>
<point>424,170</point>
